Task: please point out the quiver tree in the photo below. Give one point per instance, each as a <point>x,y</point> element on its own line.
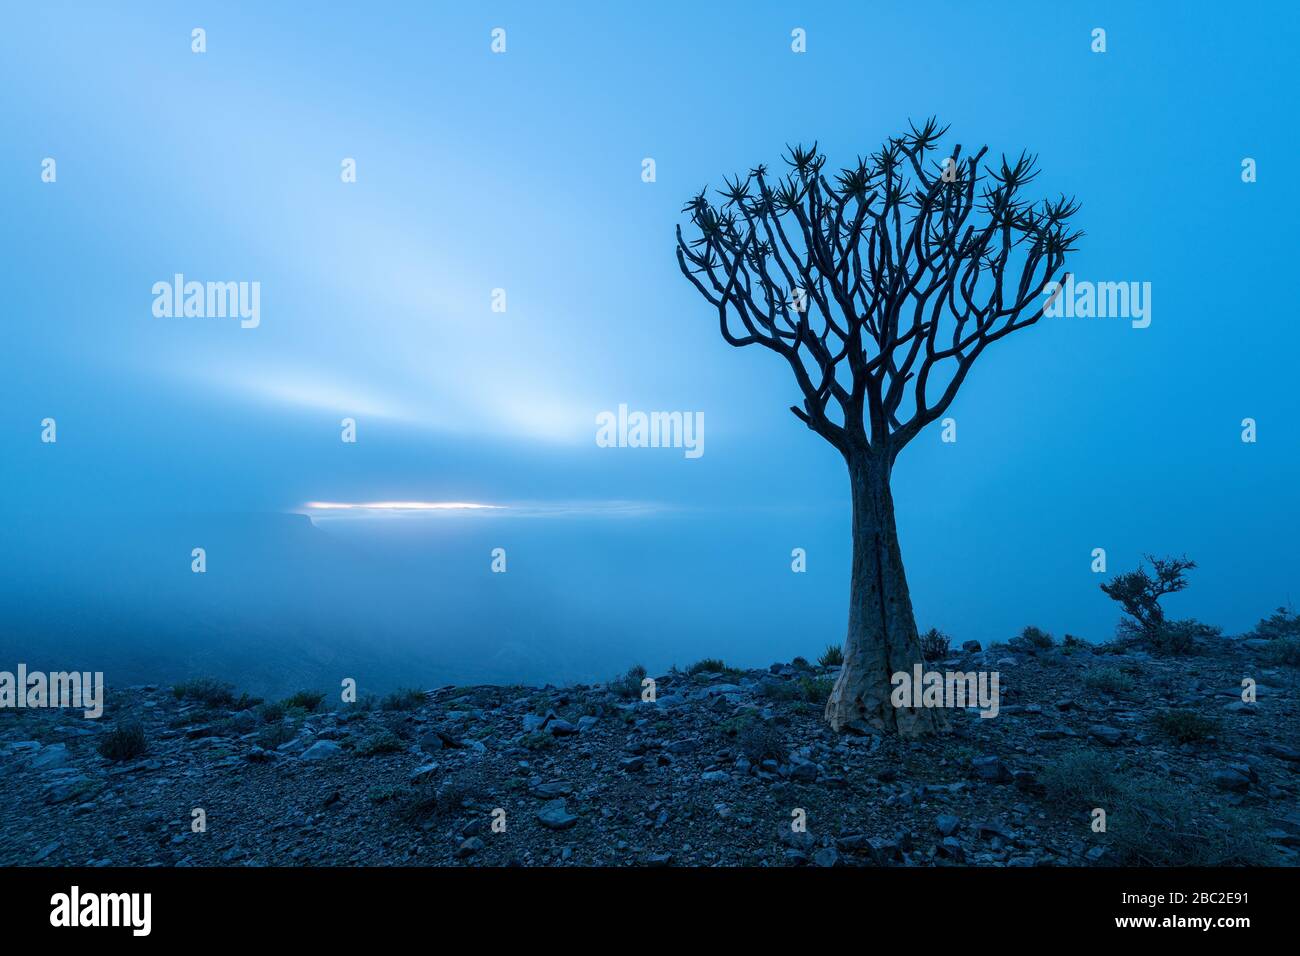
<point>880,285</point>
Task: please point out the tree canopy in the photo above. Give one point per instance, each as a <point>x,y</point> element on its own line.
<point>882,283</point>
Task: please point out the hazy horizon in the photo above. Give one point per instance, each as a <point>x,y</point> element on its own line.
<point>478,172</point>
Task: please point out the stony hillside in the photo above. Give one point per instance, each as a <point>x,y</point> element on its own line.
<point>719,770</point>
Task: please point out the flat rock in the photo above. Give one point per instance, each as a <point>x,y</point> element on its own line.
<point>827,856</point>
<point>320,750</point>
<point>55,755</point>
<point>1231,780</point>
<point>65,789</point>
<point>469,847</point>
<point>550,791</point>
<point>990,769</point>
<point>555,816</point>
<point>1110,736</point>
<point>422,773</point>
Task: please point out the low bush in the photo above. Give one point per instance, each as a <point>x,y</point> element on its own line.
<point>126,741</point>
<point>432,799</point>
<point>273,735</point>
<point>629,685</point>
<point>813,690</point>
<point>405,698</point>
<point>1283,650</point>
<point>1186,726</point>
<point>1108,680</point>
<point>272,712</point>
<point>1149,821</point>
<point>1281,624</point>
<point>759,741</point>
<point>709,665</point>
<point>1033,639</point>
<point>207,691</point>
<point>308,700</point>
<point>1179,637</point>
<point>935,644</point>
<point>384,742</point>
<point>537,741</point>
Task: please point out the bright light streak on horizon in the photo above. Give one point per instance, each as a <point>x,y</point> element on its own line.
<point>400,506</point>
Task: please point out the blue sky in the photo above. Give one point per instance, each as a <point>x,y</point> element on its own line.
<point>522,171</point>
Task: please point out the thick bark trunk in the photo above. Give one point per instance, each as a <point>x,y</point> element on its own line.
<point>882,638</point>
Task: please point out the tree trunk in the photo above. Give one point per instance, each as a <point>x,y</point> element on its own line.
<point>882,638</point>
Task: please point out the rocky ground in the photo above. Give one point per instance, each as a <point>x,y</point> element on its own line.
<point>718,771</point>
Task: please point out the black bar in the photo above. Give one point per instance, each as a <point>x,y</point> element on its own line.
<point>329,904</point>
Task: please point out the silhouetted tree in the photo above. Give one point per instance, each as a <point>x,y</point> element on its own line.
<point>880,287</point>
<point>1139,594</point>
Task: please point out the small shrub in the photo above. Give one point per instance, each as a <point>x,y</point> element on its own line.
<point>206,690</point>
<point>759,741</point>
<point>399,724</point>
<point>417,803</point>
<point>815,690</point>
<point>1283,650</point>
<point>384,742</point>
<point>1080,777</point>
<point>935,644</point>
<point>1281,624</point>
<point>807,689</point>
<point>1174,637</point>
<point>432,799</point>
<point>709,665</point>
<point>832,657</point>
<point>1108,680</point>
<point>406,698</point>
<point>1033,639</point>
<point>272,712</point>
<point>777,689</point>
<point>629,685</point>
<point>126,741</point>
<point>245,721</point>
<point>733,725</point>
<point>1148,821</point>
<point>1154,825</point>
<point>273,735</point>
<point>307,700</point>
<point>1074,643</point>
<point>1186,726</point>
<point>359,708</point>
<point>453,793</point>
